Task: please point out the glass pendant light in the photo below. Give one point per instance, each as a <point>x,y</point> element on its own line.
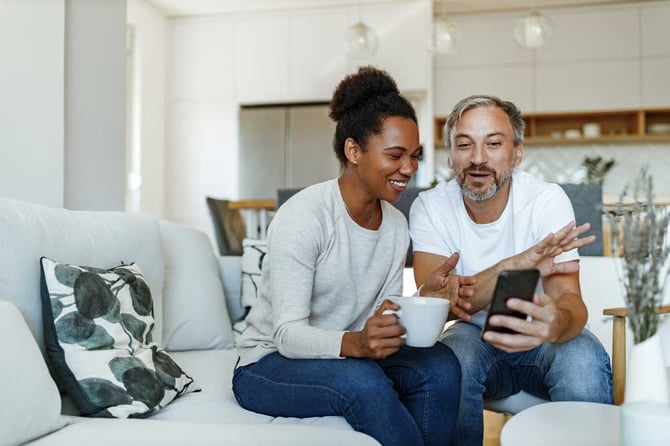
<point>533,30</point>
<point>361,40</point>
<point>446,36</point>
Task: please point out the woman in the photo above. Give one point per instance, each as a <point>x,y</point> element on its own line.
<point>317,342</point>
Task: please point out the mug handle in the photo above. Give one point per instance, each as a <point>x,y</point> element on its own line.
<point>397,313</point>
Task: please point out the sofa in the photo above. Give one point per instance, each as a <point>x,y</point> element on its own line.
<point>194,294</point>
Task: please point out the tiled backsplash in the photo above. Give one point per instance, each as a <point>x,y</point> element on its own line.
<point>563,164</point>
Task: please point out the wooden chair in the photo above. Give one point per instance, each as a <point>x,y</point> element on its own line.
<point>619,348</point>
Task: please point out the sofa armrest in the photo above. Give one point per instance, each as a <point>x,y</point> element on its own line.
<point>230,268</point>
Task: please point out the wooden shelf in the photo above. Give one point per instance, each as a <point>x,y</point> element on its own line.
<point>615,126</point>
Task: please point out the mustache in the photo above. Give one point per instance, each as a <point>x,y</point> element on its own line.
<point>481,169</point>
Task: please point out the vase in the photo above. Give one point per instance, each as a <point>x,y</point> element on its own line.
<point>645,413</point>
<point>646,377</point>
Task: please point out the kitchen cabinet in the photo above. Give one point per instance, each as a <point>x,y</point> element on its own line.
<point>606,126</point>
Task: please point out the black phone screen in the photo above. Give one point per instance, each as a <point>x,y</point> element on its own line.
<point>511,283</point>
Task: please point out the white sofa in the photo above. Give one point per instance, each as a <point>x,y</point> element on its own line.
<point>192,323</point>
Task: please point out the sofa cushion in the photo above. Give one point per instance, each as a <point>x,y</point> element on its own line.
<point>194,304</point>
<point>30,404</point>
<point>98,330</point>
<point>104,432</point>
<point>29,231</point>
<point>252,263</point>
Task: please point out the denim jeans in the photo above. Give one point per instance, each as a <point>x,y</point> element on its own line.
<point>577,370</point>
<point>410,398</point>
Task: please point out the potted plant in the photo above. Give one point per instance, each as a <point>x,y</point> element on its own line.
<point>597,169</point>
<point>640,236</point>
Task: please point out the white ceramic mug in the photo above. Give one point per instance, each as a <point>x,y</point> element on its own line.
<point>423,318</point>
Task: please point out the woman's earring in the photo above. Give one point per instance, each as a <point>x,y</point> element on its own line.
<point>356,163</point>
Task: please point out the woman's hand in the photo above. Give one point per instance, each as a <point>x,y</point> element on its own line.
<point>380,337</point>
<point>541,255</point>
<point>457,289</point>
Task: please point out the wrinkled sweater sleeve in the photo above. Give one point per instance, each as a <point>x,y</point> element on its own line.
<point>292,259</point>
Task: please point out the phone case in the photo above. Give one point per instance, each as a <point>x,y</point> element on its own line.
<point>512,283</point>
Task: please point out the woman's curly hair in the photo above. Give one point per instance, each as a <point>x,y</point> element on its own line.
<point>360,104</point>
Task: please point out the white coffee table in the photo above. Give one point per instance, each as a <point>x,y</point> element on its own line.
<point>563,423</point>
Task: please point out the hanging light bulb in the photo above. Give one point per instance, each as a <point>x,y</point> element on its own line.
<point>360,41</point>
<point>446,36</point>
<point>533,30</point>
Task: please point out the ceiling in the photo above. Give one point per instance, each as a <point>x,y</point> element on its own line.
<point>174,8</point>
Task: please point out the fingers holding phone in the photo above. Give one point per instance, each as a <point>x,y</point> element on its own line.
<point>524,334</point>
<point>507,326</point>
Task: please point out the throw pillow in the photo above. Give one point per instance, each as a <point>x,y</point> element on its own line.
<point>30,406</point>
<point>98,332</point>
<point>253,255</point>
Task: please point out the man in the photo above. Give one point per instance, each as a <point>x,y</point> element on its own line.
<point>499,218</point>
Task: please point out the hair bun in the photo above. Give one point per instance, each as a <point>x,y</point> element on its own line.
<point>358,88</point>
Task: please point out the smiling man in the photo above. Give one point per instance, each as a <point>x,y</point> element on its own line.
<point>500,218</point>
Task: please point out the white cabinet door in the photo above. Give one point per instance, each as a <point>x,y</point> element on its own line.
<point>317,59</point>
<point>588,86</point>
<point>403,30</point>
<point>591,34</point>
<point>261,66</point>
<point>655,29</point>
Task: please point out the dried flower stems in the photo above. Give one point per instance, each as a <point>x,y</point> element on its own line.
<point>640,233</point>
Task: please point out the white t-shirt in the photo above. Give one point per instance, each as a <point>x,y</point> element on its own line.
<point>323,275</point>
<point>440,224</point>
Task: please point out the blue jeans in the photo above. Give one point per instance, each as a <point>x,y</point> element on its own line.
<point>577,370</point>
<point>410,398</point>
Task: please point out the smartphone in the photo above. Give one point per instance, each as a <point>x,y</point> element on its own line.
<point>511,283</point>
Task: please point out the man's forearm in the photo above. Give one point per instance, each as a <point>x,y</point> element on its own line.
<point>486,281</point>
<point>572,316</point>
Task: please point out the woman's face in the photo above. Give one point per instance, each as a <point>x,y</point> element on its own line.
<point>390,159</point>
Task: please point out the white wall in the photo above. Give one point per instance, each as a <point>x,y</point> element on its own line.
<point>62,110</point>
<point>95,110</point>
<point>31,108</point>
<point>150,47</point>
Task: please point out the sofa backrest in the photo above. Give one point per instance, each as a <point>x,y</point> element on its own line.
<point>91,238</point>
<point>195,316</point>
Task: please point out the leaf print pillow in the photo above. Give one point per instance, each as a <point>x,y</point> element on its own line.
<point>97,328</point>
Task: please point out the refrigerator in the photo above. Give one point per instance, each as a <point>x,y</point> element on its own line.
<point>287,146</point>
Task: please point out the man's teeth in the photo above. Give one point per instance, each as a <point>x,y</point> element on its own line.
<point>399,183</point>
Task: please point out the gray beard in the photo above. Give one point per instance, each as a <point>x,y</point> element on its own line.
<point>488,193</point>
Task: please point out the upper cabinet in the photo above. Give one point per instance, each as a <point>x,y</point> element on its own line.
<point>260,58</point>
<point>299,55</point>
<point>599,58</point>
<point>588,127</point>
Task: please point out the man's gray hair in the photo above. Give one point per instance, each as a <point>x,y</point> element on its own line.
<point>512,111</point>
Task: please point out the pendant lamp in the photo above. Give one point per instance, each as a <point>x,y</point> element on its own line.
<point>446,36</point>
<point>533,30</point>
<point>360,40</point>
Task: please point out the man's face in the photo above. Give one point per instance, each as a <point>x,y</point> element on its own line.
<point>483,155</point>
